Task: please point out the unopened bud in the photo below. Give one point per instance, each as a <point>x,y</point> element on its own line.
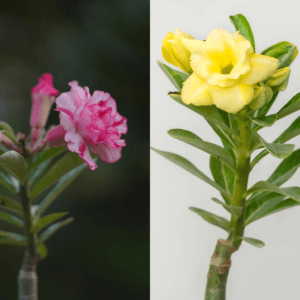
<point>279,79</point>
<point>262,95</point>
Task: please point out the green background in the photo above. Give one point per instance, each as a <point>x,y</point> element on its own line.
<point>104,45</point>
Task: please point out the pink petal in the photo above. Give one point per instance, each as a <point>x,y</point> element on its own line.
<point>67,122</point>
<point>107,153</point>
<point>97,97</point>
<point>56,137</point>
<point>77,144</point>
<point>65,103</point>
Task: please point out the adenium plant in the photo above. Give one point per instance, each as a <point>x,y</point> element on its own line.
<point>233,88</point>
<point>90,127</point>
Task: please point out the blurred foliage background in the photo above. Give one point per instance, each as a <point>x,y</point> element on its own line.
<point>104,45</point>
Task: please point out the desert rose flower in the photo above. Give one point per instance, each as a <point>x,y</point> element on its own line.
<point>88,123</point>
<point>43,96</point>
<point>174,52</point>
<point>224,71</point>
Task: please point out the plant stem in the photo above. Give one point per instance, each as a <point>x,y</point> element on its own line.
<point>221,259</point>
<point>27,278</point>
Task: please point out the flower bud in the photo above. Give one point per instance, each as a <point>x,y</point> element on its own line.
<point>174,52</point>
<point>262,95</point>
<point>42,99</point>
<point>279,79</point>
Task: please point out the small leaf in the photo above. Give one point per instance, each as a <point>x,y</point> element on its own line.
<point>212,218</point>
<point>292,131</point>
<point>44,156</point>
<point>242,25</point>
<point>42,250</point>
<point>188,166</point>
<point>15,164</point>
<point>7,218</point>
<point>211,113</point>
<point>64,165</point>
<point>285,52</point>
<point>11,205</point>
<point>14,236</point>
<point>266,205</point>
<point>252,241</point>
<point>223,176</point>
<point>292,192</point>
<point>265,121</point>
<point>6,129</point>
<point>43,222</point>
<point>292,106</point>
<point>12,242</point>
<point>286,169</point>
<point>176,77</point>
<point>53,228</point>
<point>234,210</point>
<point>62,184</point>
<point>279,150</point>
<point>8,181</point>
<point>255,142</point>
<point>210,148</point>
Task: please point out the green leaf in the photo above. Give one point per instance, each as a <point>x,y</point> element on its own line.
<point>255,142</point>
<point>64,165</point>
<point>43,222</point>
<point>223,176</point>
<point>210,113</point>
<point>188,166</point>
<point>36,174</point>
<point>210,148</point>
<point>292,192</point>
<point>15,164</point>
<point>241,24</point>
<point>44,156</point>
<point>252,241</point>
<point>279,150</point>
<point>42,250</point>
<point>7,218</point>
<point>62,184</point>
<point>286,169</point>
<point>285,52</point>
<point>264,121</point>
<point>292,131</point>
<point>10,205</point>
<point>14,236</point>
<point>11,242</point>
<point>282,174</point>
<point>8,181</point>
<point>234,210</point>
<point>9,132</point>
<point>53,228</point>
<point>212,218</point>
<point>292,106</point>
<point>266,205</point>
<point>176,77</point>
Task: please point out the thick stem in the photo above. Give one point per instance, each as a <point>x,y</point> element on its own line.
<point>221,259</point>
<point>27,278</point>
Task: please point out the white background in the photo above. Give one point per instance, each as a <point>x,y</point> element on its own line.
<point>181,241</point>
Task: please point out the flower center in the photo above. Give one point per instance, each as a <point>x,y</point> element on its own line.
<point>227,69</point>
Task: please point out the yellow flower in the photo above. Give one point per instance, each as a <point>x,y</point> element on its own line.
<point>174,51</point>
<point>224,71</point>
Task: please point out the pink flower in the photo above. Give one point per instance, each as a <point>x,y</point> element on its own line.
<point>88,123</point>
<point>43,96</point>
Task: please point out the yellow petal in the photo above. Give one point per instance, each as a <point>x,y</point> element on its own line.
<point>191,45</point>
<point>232,99</point>
<point>262,66</point>
<point>196,91</point>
